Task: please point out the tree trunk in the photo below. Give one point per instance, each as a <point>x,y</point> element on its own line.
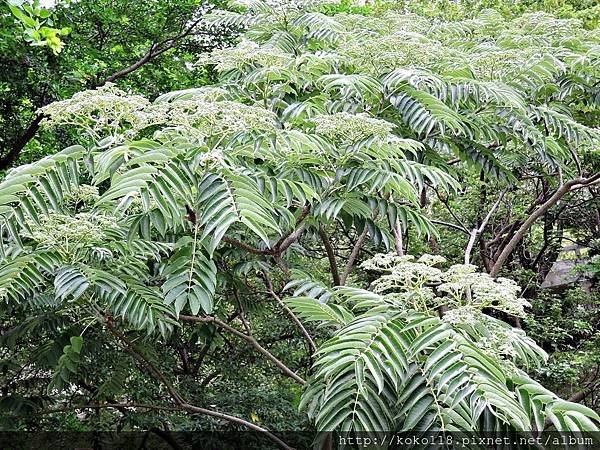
<point>528,223</point>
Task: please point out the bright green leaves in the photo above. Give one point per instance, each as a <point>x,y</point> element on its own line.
<point>68,363</point>
<point>253,209</point>
<point>232,198</point>
<point>543,404</point>
<point>364,87</point>
<point>424,113</point>
<point>218,209</point>
<point>313,310</point>
<point>151,174</point>
<point>34,19</point>
<point>144,308</point>
<point>23,276</point>
<point>70,282</point>
<point>389,367</point>
<point>42,183</point>
<point>353,369</point>
<point>191,277</point>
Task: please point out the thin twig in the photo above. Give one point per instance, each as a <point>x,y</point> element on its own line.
<point>311,344</point>
<point>286,370</point>
<point>136,354</point>
<point>477,231</point>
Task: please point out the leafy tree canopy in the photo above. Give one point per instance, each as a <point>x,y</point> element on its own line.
<point>199,213</point>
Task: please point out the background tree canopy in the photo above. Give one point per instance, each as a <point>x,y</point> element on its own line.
<point>306,215</point>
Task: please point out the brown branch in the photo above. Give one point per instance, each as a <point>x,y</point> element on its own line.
<point>353,255</point>
<point>118,406</point>
<point>575,398</point>
<point>133,67</point>
<point>137,355</point>
<point>447,206</point>
<point>528,223</point>
<point>248,248</point>
<point>333,267</point>
<point>311,344</point>
<point>155,50</point>
<point>16,148</point>
<point>281,245</point>
<point>398,236</point>
<point>284,369</point>
<point>288,239</point>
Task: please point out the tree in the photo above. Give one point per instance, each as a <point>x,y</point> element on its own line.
<point>394,364</point>
<point>145,47</point>
<point>173,219</point>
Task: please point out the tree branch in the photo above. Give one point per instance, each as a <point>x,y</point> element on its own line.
<point>451,225</point>
<point>353,255</point>
<point>16,148</point>
<point>527,224</point>
<point>208,319</point>
<point>281,245</point>
<point>330,256</point>
<point>398,238</point>
<point>477,231</point>
<point>109,405</point>
<point>136,354</point>
<point>155,50</point>
<point>311,344</point>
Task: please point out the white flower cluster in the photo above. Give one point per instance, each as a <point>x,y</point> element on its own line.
<point>461,287</point>
<point>385,262</point>
<point>463,315</point>
<point>84,193</point>
<point>465,286</point>
<point>407,275</point>
<point>493,63</point>
<point>283,8</point>
<point>388,23</point>
<point>492,336</point>
<point>431,260</point>
<point>61,231</point>
<point>416,298</point>
<point>213,156</point>
<point>350,128</point>
<point>404,49</point>
<point>210,118</point>
<point>106,109</point>
<point>201,94</point>
<point>246,53</point>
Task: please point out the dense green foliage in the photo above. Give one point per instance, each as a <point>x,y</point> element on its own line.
<point>241,249</point>
<point>144,46</point>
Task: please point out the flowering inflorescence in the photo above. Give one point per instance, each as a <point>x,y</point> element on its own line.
<point>62,232</point>
<point>83,194</point>
<point>459,287</point>
<point>197,115</point>
<point>203,118</point>
<point>346,128</point>
<point>463,285</point>
<point>101,111</point>
<point>244,54</point>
